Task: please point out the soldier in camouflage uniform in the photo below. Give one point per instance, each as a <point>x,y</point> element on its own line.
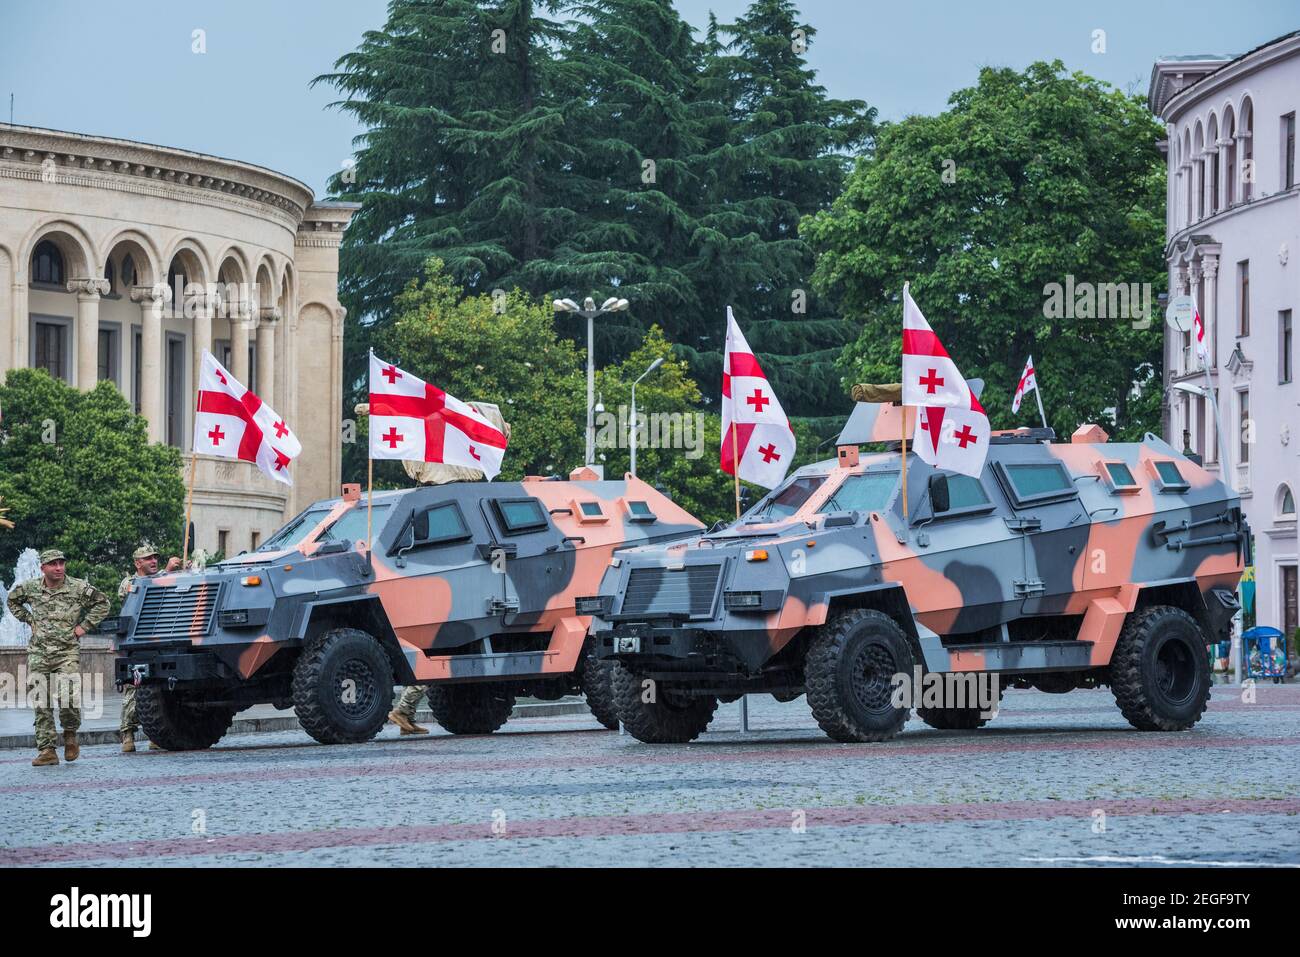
<point>403,713</point>
<point>60,611</point>
<point>146,565</point>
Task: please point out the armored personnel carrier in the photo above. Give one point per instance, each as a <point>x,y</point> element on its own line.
<point>469,590</point>
<point>1064,565</point>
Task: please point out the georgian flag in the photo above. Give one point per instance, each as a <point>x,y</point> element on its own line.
<point>1028,383</point>
<point>412,420</point>
<point>1198,332</point>
<point>929,376</point>
<point>952,433</point>
<point>233,423</point>
<point>763,435</point>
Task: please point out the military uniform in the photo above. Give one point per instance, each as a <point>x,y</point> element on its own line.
<point>403,713</point>
<point>54,614</point>
<point>130,723</point>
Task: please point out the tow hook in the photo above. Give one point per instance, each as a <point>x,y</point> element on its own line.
<point>171,683</point>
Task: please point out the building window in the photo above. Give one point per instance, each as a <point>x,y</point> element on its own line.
<point>1247,151</point>
<point>1243,298</point>
<point>130,277</point>
<point>1288,150</point>
<point>107,355</point>
<point>1243,426</point>
<point>137,356</point>
<point>1285,504</point>
<point>257,540</point>
<point>51,338</point>
<point>1285,347</point>
<point>47,266</point>
<point>223,542</point>
<point>176,391</point>
<point>1214,179</point>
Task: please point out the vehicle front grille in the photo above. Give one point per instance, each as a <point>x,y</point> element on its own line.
<point>168,612</point>
<point>664,591</point>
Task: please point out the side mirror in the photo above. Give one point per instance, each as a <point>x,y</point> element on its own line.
<point>939,498</point>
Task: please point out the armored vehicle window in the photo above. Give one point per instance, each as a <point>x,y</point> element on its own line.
<point>1121,476</point>
<point>865,493</point>
<point>965,492</point>
<point>1171,480</point>
<point>351,526</point>
<point>640,511</point>
<point>786,500</point>
<point>439,523</point>
<point>591,509</point>
<point>520,515</point>
<point>295,531</point>
<point>1034,483</point>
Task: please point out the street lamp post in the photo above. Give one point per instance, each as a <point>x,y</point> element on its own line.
<point>589,312</point>
<point>632,440</point>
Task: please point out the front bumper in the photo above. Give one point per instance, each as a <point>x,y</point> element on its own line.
<point>173,667</point>
<point>684,647</point>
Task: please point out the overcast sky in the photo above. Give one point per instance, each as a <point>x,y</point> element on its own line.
<point>127,69</point>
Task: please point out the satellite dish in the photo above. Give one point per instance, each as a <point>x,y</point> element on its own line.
<point>1179,313</point>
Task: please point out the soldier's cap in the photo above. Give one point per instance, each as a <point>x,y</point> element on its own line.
<point>52,555</point>
<point>144,551</point>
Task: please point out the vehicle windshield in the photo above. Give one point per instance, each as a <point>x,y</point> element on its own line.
<point>293,533</point>
<point>865,493</point>
<point>351,525</point>
<point>786,500</point>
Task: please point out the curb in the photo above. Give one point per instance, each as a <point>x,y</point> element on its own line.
<point>287,723</point>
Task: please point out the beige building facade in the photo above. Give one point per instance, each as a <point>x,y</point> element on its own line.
<point>124,261</point>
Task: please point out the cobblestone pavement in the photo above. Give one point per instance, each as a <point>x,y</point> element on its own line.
<point>1054,780</point>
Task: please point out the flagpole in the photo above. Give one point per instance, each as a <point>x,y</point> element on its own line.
<point>370,486</point>
<point>735,465</point>
<point>189,506</point>
<point>903,430</point>
<point>1038,394</point>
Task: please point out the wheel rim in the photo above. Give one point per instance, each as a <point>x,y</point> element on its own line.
<point>870,678</point>
<point>1175,671</point>
<point>355,689</point>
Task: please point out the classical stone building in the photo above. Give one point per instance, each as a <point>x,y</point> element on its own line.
<point>1233,241</point>
<point>123,261</point>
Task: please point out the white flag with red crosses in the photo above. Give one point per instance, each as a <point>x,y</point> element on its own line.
<point>763,437</point>
<point>1028,383</point>
<point>413,420</point>
<point>1198,332</point>
<point>952,429</point>
<point>233,423</point>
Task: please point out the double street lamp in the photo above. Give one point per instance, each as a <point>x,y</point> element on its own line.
<point>589,311</point>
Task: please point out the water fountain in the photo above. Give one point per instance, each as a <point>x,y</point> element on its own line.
<point>13,631</point>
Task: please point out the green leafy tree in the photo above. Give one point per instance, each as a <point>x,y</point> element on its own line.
<point>783,154</point>
<point>79,474</point>
<point>1028,178</point>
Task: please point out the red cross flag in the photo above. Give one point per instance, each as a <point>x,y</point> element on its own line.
<point>952,431</point>
<point>929,376</point>
<point>1027,384</point>
<point>1198,330</point>
<point>233,423</point>
<point>763,437</point>
<point>412,420</point>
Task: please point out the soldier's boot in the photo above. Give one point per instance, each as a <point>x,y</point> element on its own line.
<point>128,742</point>
<point>406,725</point>
<point>46,757</point>
<point>71,750</point>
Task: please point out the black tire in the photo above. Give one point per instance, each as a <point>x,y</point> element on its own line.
<point>329,709</point>
<point>964,718</point>
<point>671,718</point>
<point>1159,673</point>
<point>848,676</point>
<point>471,709</point>
<point>598,687</point>
<point>179,722</point>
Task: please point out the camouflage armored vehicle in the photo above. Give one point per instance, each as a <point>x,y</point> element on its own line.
<point>1065,565</point>
<point>469,591</point>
